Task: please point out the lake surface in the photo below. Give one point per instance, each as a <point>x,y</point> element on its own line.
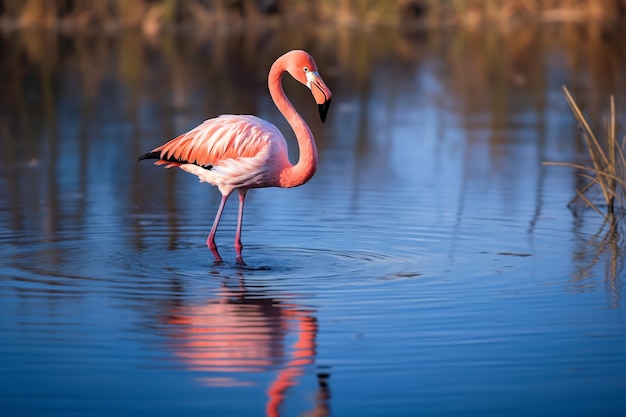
<point>431,266</point>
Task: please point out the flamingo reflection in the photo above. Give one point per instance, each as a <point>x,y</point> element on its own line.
<point>242,331</point>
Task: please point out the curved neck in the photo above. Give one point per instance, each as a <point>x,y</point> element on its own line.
<point>293,175</point>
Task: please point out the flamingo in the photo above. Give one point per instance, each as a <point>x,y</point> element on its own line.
<point>239,152</point>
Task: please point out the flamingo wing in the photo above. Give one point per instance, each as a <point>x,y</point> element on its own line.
<point>230,151</point>
<point>220,138</point>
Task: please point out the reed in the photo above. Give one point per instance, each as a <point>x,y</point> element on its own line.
<point>606,175</point>
<point>87,14</point>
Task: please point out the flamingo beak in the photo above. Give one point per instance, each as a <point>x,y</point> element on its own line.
<point>321,93</point>
<point>324,109</point>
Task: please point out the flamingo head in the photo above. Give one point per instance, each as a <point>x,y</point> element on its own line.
<point>302,67</point>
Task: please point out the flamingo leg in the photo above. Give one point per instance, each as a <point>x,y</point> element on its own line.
<point>238,244</point>
<point>210,241</point>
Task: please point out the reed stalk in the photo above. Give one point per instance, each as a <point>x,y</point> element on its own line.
<point>606,175</point>
<point>136,13</point>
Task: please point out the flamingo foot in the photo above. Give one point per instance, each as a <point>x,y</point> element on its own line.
<point>238,249</point>
<point>218,258</point>
<point>210,242</point>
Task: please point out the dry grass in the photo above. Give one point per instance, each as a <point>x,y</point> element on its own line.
<point>606,175</point>
<point>156,15</point>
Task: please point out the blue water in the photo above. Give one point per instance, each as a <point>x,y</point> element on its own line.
<point>431,267</point>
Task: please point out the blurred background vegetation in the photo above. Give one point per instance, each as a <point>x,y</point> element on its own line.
<point>157,15</point>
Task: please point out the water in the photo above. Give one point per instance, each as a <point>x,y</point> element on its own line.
<point>430,267</point>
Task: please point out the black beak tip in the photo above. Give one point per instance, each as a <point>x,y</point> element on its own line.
<point>324,109</point>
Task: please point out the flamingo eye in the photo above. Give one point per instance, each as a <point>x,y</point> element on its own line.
<point>306,69</point>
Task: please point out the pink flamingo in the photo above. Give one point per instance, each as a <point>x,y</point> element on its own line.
<point>239,152</point>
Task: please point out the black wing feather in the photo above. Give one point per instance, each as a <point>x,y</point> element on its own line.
<point>157,155</point>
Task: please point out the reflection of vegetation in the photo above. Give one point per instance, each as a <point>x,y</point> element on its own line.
<point>607,248</point>
<point>607,176</point>
<point>153,15</point>
<point>157,87</point>
<point>154,88</point>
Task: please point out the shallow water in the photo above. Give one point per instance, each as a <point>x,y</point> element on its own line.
<point>430,267</point>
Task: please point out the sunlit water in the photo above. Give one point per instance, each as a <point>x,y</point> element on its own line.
<point>431,267</point>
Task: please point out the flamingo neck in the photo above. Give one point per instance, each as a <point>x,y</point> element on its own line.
<point>301,172</point>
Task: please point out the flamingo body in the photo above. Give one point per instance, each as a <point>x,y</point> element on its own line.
<point>230,152</point>
<point>239,152</point>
